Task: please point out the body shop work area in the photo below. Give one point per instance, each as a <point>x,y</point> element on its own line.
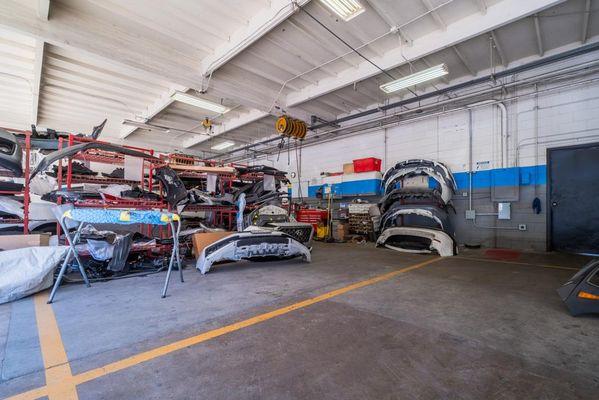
<point>356,323</point>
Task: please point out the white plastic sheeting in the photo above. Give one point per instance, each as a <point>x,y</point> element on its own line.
<point>27,271</point>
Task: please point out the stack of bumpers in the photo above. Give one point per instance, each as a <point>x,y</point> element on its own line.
<point>416,220</point>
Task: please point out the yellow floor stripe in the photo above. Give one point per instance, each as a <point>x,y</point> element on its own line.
<point>181,344</point>
<point>516,262</point>
<point>56,363</point>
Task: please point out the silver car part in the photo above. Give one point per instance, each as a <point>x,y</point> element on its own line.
<point>258,245</point>
<point>300,231</point>
<point>410,211</point>
<point>432,240</point>
<point>447,185</point>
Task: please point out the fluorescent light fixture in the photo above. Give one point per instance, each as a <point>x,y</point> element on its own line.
<point>414,79</point>
<point>199,102</point>
<point>223,145</point>
<point>346,9</point>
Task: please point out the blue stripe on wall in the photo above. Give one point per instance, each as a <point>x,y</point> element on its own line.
<point>513,176</point>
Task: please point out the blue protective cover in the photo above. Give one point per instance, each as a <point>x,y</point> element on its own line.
<point>124,217</point>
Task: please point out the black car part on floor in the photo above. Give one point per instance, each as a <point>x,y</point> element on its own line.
<point>11,154</point>
<point>581,292</point>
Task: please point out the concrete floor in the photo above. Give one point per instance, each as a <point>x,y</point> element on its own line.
<point>461,327</point>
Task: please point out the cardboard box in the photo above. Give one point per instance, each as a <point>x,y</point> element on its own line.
<point>341,232</point>
<point>201,240</point>
<point>348,168</point>
<point>11,242</point>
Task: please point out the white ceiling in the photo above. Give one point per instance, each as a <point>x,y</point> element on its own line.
<point>86,60</point>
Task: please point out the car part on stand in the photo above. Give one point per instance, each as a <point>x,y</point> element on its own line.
<point>72,150</point>
<point>253,246</point>
<point>77,169</point>
<point>265,215</point>
<point>581,292</point>
<point>71,196</point>
<point>416,219</point>
<point>11,154</point>
<point>423,216</point>
<point>117,173</point>
<point>434,169</point>
<point>411,196</point>
<point>172,184</point>
<point>418,240</point>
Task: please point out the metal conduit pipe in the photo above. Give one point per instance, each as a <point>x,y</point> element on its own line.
<point>398,114</point>
<point>504,134</point>
<point>414,119</point>
<point>510,71</point>
<point>453,100</point>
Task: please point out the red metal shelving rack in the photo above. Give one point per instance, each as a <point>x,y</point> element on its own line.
<point>25,190</point>
<point>112,158</point>
<point>221,214</point>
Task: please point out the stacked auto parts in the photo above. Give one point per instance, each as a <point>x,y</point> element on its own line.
<point>414,216</point>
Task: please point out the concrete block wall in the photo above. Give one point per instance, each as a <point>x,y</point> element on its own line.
<point>567,116</point>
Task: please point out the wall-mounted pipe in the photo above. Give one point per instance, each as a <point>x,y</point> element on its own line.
<point>504,134</point>
<point>491,77</point>
<point>470,171</point>
<point>585,65</point>
<point>318,138</point>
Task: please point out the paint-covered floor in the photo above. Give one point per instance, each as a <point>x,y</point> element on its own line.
<point>462,327</point>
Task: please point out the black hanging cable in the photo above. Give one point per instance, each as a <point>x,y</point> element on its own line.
<point>350,46</point>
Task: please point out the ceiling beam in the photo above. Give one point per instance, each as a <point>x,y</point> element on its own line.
<point>152,110</point>
<point>229,125</point>
<point>43,9</point>
<point>585,21</point>
<point>259,25</point>
<point>381,12</point>
<point>537,24</point>
<point>98,37</point>
<point>482,6</point>
<point>298,53</point>
<point>438,20</point>
<point>38,65</point>
<point>463,60</point>
<point>500,52</point>
<point>474,25</point>
<point>324,42</point>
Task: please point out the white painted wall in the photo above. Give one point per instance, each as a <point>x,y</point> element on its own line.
<point>565,117</point>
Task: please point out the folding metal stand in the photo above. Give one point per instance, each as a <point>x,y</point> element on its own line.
<point>165,218</point>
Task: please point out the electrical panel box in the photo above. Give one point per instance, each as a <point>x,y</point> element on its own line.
<point>504,210</point>
<point>470,214</point>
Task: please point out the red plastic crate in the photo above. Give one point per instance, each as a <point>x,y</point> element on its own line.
<point>367,164</point>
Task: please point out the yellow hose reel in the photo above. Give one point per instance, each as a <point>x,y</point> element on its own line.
<point>288,126</point>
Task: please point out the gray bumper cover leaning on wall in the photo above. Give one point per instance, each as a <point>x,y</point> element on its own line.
<point>251,246</point>
<point>440,241</point>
